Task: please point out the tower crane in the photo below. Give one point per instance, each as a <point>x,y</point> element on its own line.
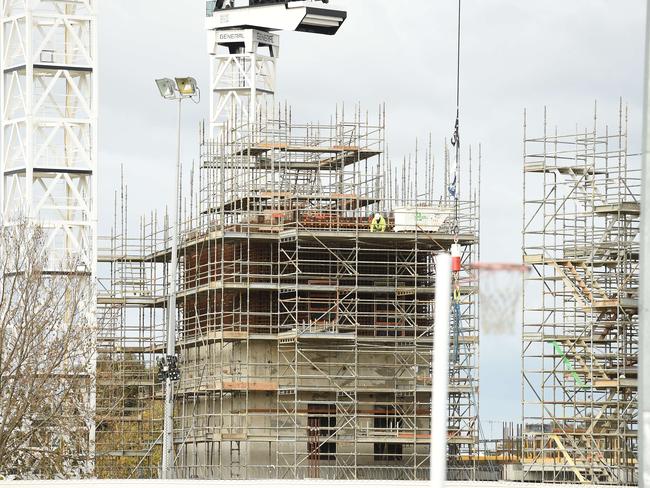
<point>244,46</point>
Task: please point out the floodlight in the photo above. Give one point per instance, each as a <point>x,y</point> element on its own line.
<point>187,87</point>
<point>167,88</point>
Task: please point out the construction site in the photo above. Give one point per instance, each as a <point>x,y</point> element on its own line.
<point>276,320</point>
<point>304,339</point>
<point>581,306</point>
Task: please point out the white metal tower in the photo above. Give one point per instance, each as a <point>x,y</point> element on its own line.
<point>244,51</point>
<point>48,162</point>
<point>49,124</point>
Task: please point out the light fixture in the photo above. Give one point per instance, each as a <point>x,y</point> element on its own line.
<point>187,87</point>
<point>167,88</point>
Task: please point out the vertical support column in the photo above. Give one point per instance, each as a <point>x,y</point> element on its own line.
<point>49,124</point>
<point>242,84</point>
<point>644,275</point>
<point>48,98</point>
<point>168,422</point>
<point>440,372</point>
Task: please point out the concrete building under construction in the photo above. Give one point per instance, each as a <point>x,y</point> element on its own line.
<point>304,336</point>
<point>304,339</point>
<point>280,321</point>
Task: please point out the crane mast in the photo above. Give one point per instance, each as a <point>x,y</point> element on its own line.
<point>49,99</point>
<point>244,48</point>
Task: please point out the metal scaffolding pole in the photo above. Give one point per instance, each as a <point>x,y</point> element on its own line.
<point>644,305</point>
<point>580,327</point>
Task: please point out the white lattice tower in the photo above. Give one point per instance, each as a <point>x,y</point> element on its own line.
<point>48,162</point>
<point>244,50</point>
<point>242,75</point>
<point>49,124</point>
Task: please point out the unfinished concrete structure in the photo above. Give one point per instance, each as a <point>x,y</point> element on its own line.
<point>304,339</point>
<point>580,337</point>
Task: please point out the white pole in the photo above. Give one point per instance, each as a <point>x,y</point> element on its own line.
<point>644,290</point>
<point>168,427</point>
<point>440,372</point>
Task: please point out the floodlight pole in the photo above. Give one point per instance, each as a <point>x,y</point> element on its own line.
<point>168,422</point>
<point>440,372</point>
<point>644,286</point>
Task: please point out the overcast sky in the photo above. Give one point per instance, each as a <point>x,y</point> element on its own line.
<point>516,54</point>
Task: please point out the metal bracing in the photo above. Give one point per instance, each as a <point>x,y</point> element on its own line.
<point>48,148</point>
<point>304,339</point>
<point>244,46</point>
<point>315,332</point>
<point>49,123</point>
<point>131,307</point>
<point>242,75</point>
<point>580,338</point>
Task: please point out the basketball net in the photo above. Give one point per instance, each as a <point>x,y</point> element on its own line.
<point>500,286</point>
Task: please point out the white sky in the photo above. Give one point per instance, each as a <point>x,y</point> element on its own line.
<point>516,54</point>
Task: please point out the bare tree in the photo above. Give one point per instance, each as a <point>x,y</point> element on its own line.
<point>47,344</point>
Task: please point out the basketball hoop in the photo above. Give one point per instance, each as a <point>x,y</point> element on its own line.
<point>500,286</point>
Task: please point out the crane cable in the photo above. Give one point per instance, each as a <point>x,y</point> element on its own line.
<point>455,138</point>
<point>457,298</point>
<point>453,190</point>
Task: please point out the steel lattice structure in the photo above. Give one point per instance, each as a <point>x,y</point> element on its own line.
<point>580,336</point>
<point>49,139</point>
<point>49,122</point>
<point>242,79</point>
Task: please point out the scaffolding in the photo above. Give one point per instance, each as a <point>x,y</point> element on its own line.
<point>304,339</point>
<point>131,307</point>
<point>580,317</point>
